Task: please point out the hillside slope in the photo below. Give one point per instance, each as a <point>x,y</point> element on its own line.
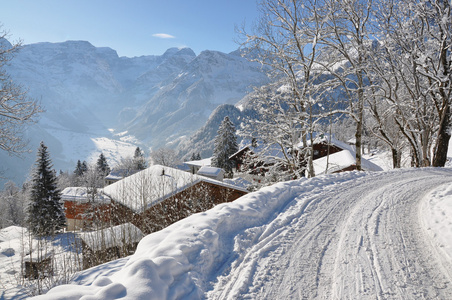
<point>345,236</point>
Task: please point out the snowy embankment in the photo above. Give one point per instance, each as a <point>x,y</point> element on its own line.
<point>349,235</point>
<point>436,214</point>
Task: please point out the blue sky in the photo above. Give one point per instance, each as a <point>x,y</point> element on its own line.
<point>132,28</point>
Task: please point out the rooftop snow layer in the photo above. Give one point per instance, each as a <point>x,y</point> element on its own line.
<point>116,236</point>
<point>82,194</point>
<point>339,161</point>
<point>200,163</point>
<point>153,185</point>
<point>210,171</point>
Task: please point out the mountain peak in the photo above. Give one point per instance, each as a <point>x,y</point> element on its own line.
<point>179,51</point>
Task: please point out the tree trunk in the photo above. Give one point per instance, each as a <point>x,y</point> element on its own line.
<point>359,127</point>
<point>395,158</point>
<point>442,143</point>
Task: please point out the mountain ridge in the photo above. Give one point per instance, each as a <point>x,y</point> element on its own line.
<point>91,94</point>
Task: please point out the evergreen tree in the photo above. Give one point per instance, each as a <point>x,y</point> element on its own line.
<point>225,146</point>
<point>102,166</point>
<point>139,161</point>
<point>78,169</point>
<point>84,167</point>
<point>45,212</point>
<point>193,156</point>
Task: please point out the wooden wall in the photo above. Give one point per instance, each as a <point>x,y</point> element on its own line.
<point>83,214</point>
<point>197,198</point>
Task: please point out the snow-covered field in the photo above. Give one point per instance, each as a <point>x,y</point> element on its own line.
<point>88,146</point>
<point>383,235</point>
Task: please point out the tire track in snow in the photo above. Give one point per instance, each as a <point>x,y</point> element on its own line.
<point>309,218</point>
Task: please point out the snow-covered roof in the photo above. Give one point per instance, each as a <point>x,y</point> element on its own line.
<point>153,185</point>
<point>210,171</point>
<point>116,236</point>
<point>339,161</point>
<point>269,152</point>
<point>118,174</point>
<point>38,256</point>
<point>324,138</point>
<point>200,163</point>
<point>240,150</point>
<point>80,194</point>
<point>238,181</point>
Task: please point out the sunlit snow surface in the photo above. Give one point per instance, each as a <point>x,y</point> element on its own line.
<point>349,235</point>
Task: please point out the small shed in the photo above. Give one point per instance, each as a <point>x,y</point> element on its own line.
<point>212,172</point>
<point>108,244</point>
<point>38,265</point>
<point>195,165</point>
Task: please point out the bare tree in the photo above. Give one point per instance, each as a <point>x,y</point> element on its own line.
<point>286,39</point>
<point>93,180</point>
<point>16,109</point>
<point>165,157</point>
<point>346,43</point>
<point>12,205</point>
<point>415,75</point>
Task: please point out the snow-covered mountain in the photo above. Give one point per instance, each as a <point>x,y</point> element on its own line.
<point>184,103</point>
<point>96,101</point>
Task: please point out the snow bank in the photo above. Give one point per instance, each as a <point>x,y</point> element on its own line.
<point>436,213</point>
<point>181,260</point>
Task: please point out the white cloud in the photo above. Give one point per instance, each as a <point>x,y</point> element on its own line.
<point>163,36</point>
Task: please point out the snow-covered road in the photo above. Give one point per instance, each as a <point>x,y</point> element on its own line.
<point>364,239</point>
<point>354,235</point>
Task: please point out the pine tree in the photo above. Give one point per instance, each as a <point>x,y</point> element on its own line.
<point>84,167</point>
<point>225,146</point>
<point>139,161</point>
<point>102,166</point>
<point>193,156</point>
<point>78,169</point>
<point>45,212</point>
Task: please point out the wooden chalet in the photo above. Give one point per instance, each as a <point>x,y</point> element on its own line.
<point>249,166</point>
<point>340,158</point>
<point>324,145</point>
<point>240,157</point>
<point>156,197</point>
<point>84,208</point>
